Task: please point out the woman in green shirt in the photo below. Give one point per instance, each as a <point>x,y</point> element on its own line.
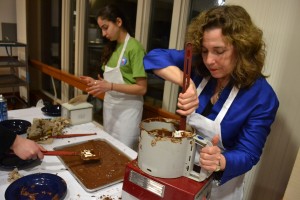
<point>124,81</point>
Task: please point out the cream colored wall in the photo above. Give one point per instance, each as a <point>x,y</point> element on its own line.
<point>21,21</point>
<point>279,21</point>
<point>7,15</point>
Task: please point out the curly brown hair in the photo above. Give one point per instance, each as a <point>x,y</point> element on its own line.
<point>239,30</point>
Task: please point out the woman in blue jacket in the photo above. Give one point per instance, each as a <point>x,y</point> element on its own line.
<point>229,99</point>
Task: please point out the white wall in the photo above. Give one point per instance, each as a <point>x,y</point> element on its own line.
<point>8,12</point>
<point>7,15</point>
<point>279,21</point>
<point>13,11</point>
<point>21,21</point>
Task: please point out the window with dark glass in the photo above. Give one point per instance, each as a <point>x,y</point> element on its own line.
<point>159,36</point>
<point>51,43</point>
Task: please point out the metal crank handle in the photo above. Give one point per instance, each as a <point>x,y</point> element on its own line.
<point>203,143</point>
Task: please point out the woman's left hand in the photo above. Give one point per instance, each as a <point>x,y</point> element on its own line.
<point>99,86</point>
<point>211,158</point>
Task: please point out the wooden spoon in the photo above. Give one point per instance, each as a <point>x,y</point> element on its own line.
<point>186,78</point>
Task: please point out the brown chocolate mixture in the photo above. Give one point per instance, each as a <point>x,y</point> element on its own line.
<point>165,133</point>
<point>95,174</point>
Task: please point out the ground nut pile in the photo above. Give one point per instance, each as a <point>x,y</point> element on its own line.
<point>42,128</point>
<point>14,175</point>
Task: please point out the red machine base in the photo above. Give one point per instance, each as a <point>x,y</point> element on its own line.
<point>143,186</point>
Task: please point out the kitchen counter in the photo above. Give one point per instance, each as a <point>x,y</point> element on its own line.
<point>51,164</point>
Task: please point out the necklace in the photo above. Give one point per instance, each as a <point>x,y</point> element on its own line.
<point>220,92</point>
<point>215,98</point>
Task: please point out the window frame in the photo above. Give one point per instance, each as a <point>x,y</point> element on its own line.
<point>178,27</point>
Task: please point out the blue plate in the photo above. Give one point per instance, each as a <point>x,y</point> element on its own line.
<point>40,186</point>
<point>16,126</point>
<point>52,110</point>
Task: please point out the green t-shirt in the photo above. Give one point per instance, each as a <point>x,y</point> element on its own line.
<point>132,62</point>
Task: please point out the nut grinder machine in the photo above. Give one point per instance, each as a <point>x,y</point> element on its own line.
<point>164,167</point>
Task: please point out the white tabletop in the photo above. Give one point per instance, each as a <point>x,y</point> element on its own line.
<point>51,164</point>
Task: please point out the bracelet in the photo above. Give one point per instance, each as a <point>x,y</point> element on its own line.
<point>112,86</point>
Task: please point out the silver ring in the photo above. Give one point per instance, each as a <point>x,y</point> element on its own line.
<point>218,168</point>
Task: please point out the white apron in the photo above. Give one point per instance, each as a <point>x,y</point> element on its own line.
<point>233,189</point>
<point>122,112</point>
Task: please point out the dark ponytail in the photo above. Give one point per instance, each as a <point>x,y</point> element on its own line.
<point>111,13</point>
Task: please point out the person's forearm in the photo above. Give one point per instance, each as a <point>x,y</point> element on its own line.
<point>170,73</point>
<point>140,88</point>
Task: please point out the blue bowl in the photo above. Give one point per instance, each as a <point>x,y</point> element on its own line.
<point>16,126</point>
<point>52,110</point>
<point>41,186</point>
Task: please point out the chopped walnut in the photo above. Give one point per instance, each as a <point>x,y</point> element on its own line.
<point>41,129</point>
<point>14,175</point>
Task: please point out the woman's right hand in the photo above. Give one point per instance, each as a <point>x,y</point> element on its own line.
<point>188,102</point>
